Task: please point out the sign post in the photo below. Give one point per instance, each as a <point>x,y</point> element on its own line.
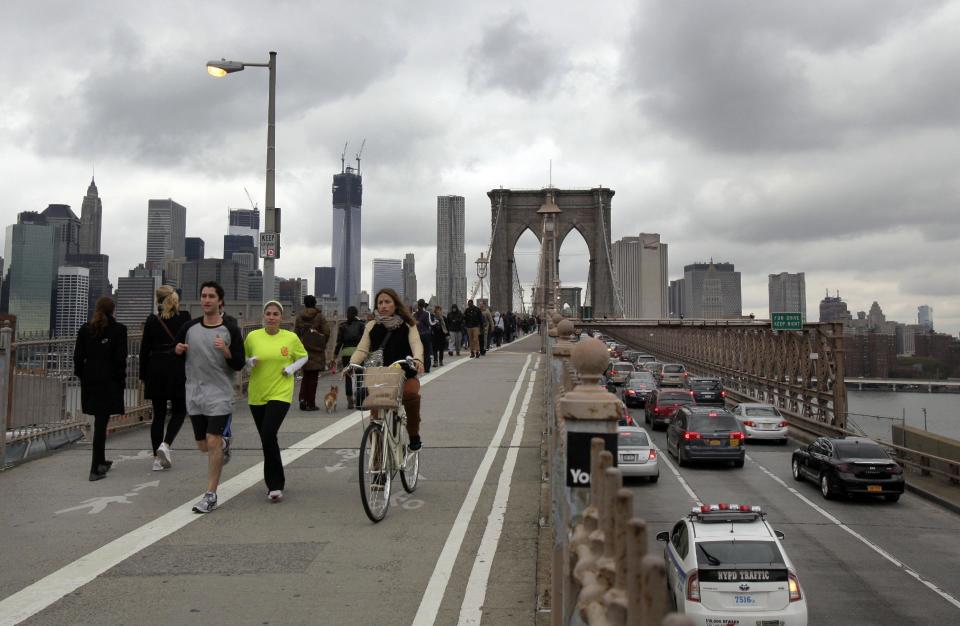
<point>269,245</point>
<point>786,321</point>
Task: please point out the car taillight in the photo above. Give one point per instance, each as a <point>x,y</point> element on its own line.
<point>652,456</point>
<point>784,424</point>
<point>750,423</point>
<point>691,434</point>
<point>630,421</point>
<point>723,394</point>
<point>737,434</point>
<point>631,392</point>
<point>693,588</point>
<point>792,583</point>
<point>691,393</point>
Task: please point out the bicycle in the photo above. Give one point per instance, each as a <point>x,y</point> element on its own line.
<point>384,446</point>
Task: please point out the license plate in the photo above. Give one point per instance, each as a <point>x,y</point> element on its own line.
<point>734,442</point>
<point>628,457</point>
<point>715,442</point>
<point>707,396</point>
<point>874,488</point>
<point>743,600</point>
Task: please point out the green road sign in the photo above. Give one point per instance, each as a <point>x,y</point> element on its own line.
<point>786,321</point>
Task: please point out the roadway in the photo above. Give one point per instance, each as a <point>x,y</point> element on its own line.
<point>860,561</point>
<point>461,549</point>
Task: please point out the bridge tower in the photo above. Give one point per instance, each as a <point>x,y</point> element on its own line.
<point>587,210</point>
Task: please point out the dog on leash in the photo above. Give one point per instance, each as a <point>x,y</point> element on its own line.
<point>330,399</point>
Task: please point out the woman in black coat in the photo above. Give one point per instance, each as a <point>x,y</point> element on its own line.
<point>162,373</point>
<point>100,362</point>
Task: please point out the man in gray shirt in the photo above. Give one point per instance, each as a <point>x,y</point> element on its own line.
<point>214,353</point>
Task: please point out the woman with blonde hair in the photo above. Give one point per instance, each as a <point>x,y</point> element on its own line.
<point>162,373</point>
<point>100,362</point>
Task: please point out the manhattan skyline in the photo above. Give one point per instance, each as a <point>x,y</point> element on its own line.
<point>811,147</point>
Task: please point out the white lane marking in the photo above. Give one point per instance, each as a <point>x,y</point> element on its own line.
<point>900,564</point>
<point>36,597</point>
<point>433,595</point>
<point>471,610</point>
<point>676,472</point>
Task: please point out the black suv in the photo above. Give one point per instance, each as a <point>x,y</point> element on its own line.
<point>701,433</point>
<point>849,465</point>
<point>707,390</point>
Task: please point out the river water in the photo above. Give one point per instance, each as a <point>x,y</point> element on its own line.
<point>875,411</point>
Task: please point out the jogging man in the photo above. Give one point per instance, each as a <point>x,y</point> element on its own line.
<point>214,351</point>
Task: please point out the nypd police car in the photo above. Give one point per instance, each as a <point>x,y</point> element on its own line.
<point>725,565</point>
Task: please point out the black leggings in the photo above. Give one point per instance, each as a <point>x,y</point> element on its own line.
<point>99,441</point>
<point>178,413</point>
<point>268,418</point>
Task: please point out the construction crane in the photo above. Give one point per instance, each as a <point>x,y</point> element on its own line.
<point>358,155</point>
<point>253,204</point>
<point>343,157</point>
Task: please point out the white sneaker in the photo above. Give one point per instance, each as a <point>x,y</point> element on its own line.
<point>275,496</point>
<point>158,466</point>
<point>163,455</point>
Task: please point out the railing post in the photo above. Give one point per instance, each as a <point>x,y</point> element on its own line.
<point>6,341</point>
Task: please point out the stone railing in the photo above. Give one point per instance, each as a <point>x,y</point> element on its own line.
<point>602,573</point>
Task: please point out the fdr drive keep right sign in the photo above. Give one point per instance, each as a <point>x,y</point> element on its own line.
<point>578,456</point>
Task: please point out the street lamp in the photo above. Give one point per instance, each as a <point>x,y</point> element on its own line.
<point>271,228</point>
<point>482,264</point>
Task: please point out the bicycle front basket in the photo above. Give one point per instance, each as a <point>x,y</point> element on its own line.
<point>382,387</point>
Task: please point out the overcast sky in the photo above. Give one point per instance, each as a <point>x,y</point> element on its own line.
<point>819,137</point>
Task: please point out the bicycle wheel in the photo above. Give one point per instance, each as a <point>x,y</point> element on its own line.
<point>374,473</point>
<point>410,470</point>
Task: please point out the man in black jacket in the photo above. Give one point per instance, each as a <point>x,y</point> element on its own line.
<point>473,320</point>
<point>455,328</point>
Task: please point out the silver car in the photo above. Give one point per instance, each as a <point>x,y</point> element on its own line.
<point>673,374</point>
<point>762,421</point>
<point>636,456</point>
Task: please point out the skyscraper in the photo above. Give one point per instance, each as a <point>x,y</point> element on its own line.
<point>32,251</point>
<point>925,317</point>
<point>234,244</point>
<point>91,220</point>
<point>135,296</point>
<point>387,273</point>
<point>67,225</point>
<point>834,309</point>
<point>678,309</point>
<point>347,199</point>
<point>451,258</point>
<point>640,266</point>
<point>232,276</point>
<point>711,291</point>
<point>409,293</point>
<point>166,232</point>
<point>324,282</point>
<point>787,293</point>
<point>194,248</point>
<point>73,292</point>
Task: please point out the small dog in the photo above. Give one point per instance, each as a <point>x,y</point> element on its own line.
<point>330,399</point>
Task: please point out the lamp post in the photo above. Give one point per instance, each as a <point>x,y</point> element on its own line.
<point>271,228</point>
<point>482,264</point>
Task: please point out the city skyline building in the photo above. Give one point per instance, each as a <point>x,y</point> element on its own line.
<point>73,294</point>
<point>677,304</point>
<point>925,317</point>
<point>194,248</point>
<point>640,265</point>
<point>711,291</point>
<point>67,225</point>
<point>834,309</point>
<point>135,296</point>
<point>32,258</point>
<point>91,220</point>
<point>234,244</point>
<point>451,257</point>
<point>346,234</point>
<point>324,282</point>
<point>787,293</point>
<point>387,273</point>
<point>166,232</point>
<point>232,276</point>
<point>409,278</point>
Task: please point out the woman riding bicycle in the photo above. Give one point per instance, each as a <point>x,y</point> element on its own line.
<point>395,331</point>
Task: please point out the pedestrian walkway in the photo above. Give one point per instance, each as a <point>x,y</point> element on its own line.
<point>128,550</point>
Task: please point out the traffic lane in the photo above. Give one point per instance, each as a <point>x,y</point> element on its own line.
<point>318,538</point>
<point>840,575</point>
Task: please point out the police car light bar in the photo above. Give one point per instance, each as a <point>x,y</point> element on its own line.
<point>712,508</point>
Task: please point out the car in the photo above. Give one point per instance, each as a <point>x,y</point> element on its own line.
<point>636,455</point>
<point>707,390</point>
<point>673,374</point>
<point>849,465</point>
<point>630,355</point>
<point>762,421</point>
<point>643,376</point>
<point>619,371</point>
<point>625,418</point>
<point>726,565</point>
<point>703,433</point>
<point>653,367</point>
<point>636,390</point>
<point>661,404</point>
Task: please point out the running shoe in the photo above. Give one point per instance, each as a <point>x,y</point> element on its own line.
<point>275,496</point>
<point>158,465</point>
<point>226,449</point>
<point>207,503</point>
<point>163,455</point>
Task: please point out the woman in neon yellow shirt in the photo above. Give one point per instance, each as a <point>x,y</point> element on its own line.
<point>274,355</point>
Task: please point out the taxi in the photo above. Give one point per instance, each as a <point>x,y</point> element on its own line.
<point>726,565</point>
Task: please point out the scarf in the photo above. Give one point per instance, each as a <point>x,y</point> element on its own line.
<point>390,322</point>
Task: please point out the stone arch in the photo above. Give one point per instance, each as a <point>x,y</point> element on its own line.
<point>587,210</point>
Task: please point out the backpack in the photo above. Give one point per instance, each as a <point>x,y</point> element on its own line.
<point>351,333</point>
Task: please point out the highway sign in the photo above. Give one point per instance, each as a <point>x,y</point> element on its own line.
<point>269,245</point>
<point>786,321</point>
